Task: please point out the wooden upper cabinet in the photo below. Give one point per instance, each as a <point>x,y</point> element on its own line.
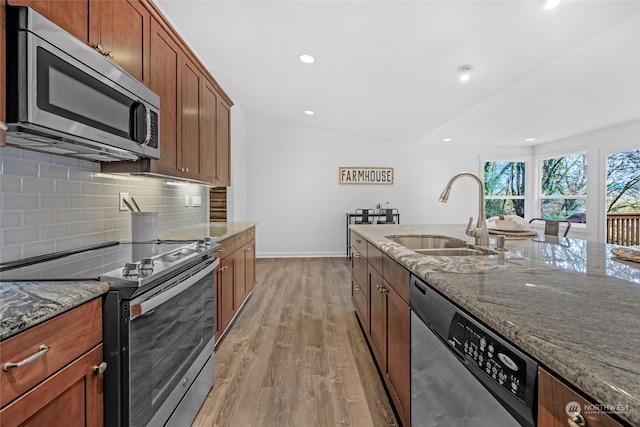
<point>190,126</point>
<point>165,81</point>
<point>70,15</point>
<point>208,133</point>
<point>223,143</point>
<point>120,30</point>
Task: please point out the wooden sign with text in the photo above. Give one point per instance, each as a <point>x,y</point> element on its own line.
<point>365,175</point>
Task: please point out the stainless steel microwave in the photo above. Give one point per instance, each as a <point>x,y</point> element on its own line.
<point>65,98</point>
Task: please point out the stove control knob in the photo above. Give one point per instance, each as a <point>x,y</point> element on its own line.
<point>130,269</point>
<point>207,241</point>
<point>146,263</point>
<point>200,243</point>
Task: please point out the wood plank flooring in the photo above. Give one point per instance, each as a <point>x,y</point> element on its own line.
<point>296,355</point>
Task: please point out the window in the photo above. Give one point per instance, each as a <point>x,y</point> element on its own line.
<point>504,188</point>
<point>623,182</point>
<point>564,188</point>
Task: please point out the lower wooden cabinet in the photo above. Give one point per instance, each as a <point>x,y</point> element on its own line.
<point>553,398</point>
<point>383,311</point>
<point>62,387</point>
<point>236,276</point>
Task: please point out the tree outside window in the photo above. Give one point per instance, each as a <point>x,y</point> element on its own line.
<point>504,188</point>
<point>623,182</point>
<point>564,188</point>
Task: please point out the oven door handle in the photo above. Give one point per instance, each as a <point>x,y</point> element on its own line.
<point>145,307</point>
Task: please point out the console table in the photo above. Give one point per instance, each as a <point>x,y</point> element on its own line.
<point>351,217</point>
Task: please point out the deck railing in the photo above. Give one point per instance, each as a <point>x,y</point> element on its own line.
<point>623,229</point>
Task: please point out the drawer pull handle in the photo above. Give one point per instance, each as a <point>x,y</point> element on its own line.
<point>99,369</point>
<point>42,351</point>
<point>577,421</point>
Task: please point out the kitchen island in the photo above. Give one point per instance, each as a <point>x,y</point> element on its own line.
<point>568,303</point>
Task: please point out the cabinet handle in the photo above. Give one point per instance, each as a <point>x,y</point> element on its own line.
<point>3,126</point>
<point>358,240</point>
<point>577,421</point>
<point>357,288</point>
<point>42,351</point>
<point>99,369</point>
<point>224,268</point>
<point>98,47</point>
<point>109,54</point>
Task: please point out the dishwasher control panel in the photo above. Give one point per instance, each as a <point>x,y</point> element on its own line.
<point>487,354</point>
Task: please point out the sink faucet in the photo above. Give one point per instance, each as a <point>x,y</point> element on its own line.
<point>480,232</point>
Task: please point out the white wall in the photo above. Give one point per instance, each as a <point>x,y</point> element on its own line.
<point>293,189</point>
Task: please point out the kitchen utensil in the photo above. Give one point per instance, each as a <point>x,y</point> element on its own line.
<point>144,226</point>
<point>127,204</point>
<point>135,204</point>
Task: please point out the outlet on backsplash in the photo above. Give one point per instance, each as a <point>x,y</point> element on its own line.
<point>196,201</point>
<point>186,201</point>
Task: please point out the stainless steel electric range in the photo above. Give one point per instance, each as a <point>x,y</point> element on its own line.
<point>158,323</point>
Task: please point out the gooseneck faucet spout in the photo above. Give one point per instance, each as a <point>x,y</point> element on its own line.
<point>480,232</point>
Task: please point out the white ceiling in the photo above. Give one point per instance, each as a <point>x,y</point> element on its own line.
<point>388,69</point>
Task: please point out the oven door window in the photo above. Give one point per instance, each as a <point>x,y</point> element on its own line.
<point>66,91</point>
<point>164,343</point>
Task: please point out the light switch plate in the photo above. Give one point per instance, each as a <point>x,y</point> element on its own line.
<point>122,198</point>
<point>186,200</point>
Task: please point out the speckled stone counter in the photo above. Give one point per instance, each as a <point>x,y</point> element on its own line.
<point>217,230</point>
<point>26,304</point>
<point>569,303</point>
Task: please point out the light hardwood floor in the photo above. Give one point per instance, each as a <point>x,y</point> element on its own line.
<point>296,355</point>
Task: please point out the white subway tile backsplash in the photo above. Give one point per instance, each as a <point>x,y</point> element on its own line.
<point>13,166</point>
<point>54,201</point>
<point>53,171</point>
<point>39,217</point>
<point>10,184</point>
<point>16,236</point>
<point>51,203</point>
<point>11,219</point>
<point>14,202</point>
<point>36,185</point>
<point>68,187</point>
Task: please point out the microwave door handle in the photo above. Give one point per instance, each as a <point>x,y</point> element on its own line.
<point>147,138</point>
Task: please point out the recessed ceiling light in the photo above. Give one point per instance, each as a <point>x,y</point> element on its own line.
<point>530,139</point>
<point>465,72</point>
<point>309,112</point>
<point>447,139</point>
<point>307,59</point>
<point>550,4</point>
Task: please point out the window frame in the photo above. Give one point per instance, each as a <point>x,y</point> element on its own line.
<point>527,179</point>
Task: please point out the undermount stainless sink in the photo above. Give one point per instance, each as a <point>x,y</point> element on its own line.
<point>452,252</point>
<point>439,246</point>
<point>428,242</point>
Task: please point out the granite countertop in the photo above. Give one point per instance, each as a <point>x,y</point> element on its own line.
<point>26,304</point>
<point>217,230</point>
<point>569,303</point>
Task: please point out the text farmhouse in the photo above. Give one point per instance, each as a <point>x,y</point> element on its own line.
<point>365,175</point>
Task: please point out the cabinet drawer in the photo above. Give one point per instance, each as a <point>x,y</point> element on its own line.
<point>251,234</point>
<point>68,336</point>
<point>374,256</point>
<point>360,302</point>
<point>359,267</point>
<point>397,276</point>
<point>231,244</point>
<point>359,244</point>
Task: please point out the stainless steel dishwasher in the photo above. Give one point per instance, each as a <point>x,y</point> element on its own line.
<point>462,373</point>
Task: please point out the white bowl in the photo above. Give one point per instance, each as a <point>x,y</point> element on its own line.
<point>509,224</point>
